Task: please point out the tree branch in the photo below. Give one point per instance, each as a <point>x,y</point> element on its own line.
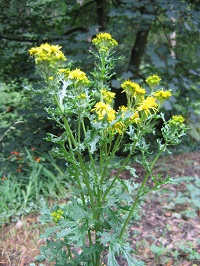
<point>22,39</point>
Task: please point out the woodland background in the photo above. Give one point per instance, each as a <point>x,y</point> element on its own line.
<point>155,37</point>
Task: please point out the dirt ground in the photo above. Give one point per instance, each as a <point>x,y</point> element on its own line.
<point>168,233</point>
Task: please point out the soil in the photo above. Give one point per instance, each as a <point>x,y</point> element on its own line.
<point>165,236</point>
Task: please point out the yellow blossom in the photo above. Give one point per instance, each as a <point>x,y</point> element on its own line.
<point>47,53</point>
<point>57,215</point>
<point>135,118</point>
<point>104,41</point>
<point>123,108</point>
<point>78,76</point>
<point>82,96</point>
<point>65,72</point>
<point>148,104</point>
<point>153,80</point>
<point>108,96</point>
<point>111,115</point>
<point>103,109</point>
<point>176,119</point>
<point>132,89</point>
<point>140,90</point>
<point>119,127</point>
<point>129,87</point>
<point>162,95</point>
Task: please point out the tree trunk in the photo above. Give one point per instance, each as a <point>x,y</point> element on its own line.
<point>137,51</point>
<point>101,14</point>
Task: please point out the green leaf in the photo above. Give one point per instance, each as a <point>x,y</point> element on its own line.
<point>49,231</point>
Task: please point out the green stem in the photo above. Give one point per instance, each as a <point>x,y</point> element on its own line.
<point>87,183</point>
<point>76,172</point>
<point>110,157</point>
<point>79,128</point>
<point>69,252</point>
<point>91,244</point>
<point>71,140</point>
<point>117,175</point>
<point>140,192</point>
<point>124,163</point>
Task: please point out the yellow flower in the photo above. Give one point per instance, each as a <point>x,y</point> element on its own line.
<point>108,96</point>
<point>33,51</point>
<point>140,90</point>
<point>78,76</point>
<point>104,41</point>
<point>132,89</point>
<point>65,72</point>
<point>47,53</point>
<point>119,127</point>
<point>135,118</point>
<point>123,109</point>
<point>162,95</point>
<point>57,215</point>
<point>176,119</point>
<point>51,78</point>
<point>82,96</point>
<point>129,87</point>
<point>153,80</point>
<point>103,109</point>
<point>111,114</point>
<point>148,104</point>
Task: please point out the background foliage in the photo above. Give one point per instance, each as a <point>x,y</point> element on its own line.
<point>155,36</point>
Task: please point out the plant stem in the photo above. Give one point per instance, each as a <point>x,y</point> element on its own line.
<point>69,252</point>
<point>70,138</point>
<point>110,157</point>
<point>90,241</point>
<point>139,193</point>
<point>124,163</point>
<point>117,175</point>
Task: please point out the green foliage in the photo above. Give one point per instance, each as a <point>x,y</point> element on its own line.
<point>94,221</point>
<point>73,24</point>
<point>191,196</point>
<point>22,189</point>
<point>23,122</point>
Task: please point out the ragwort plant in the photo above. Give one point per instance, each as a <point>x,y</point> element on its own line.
<point>91,228</point>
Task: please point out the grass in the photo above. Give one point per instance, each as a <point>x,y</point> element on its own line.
<point>22,193</point>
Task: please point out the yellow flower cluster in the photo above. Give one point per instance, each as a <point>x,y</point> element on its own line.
<point>139,105</point>
<point>65,72</point>
<point>82,96</point>
<point>78,76</point>
<point>153,80</point>
<point>148,104</point>
<point>162,95</point>
<point>104,110</point>
<point>104,42</point>
<point>118,127</point>
<point>135,118</point>
<point>108,96</point>
<point>132,89</point>
<point>47,53</point>
<point>176,119</point>
<point>57,215</point>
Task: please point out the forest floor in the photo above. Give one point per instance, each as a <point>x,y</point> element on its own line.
<point>168,233</point>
